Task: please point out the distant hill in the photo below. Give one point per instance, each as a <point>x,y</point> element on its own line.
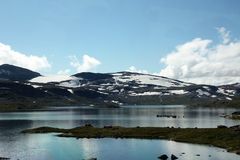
<point>14,73</point>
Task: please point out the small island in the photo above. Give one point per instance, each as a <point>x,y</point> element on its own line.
<point>224,137</point>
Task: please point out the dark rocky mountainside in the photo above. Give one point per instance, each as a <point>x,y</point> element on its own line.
<point>15,73</point>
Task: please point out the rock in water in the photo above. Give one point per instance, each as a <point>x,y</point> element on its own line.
<point>173,157</point>
<point>163,157</point>
<point>221,126</point>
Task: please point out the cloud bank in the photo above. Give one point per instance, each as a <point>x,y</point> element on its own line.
<point>9,56</point>
<point>64,72</point>
<point>200,61</point>
<point>134,69</point>
<point>88,63</point>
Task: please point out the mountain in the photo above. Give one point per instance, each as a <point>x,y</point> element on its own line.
<point>14,73</point>
<point>113,89</point>
<point>136,88</point>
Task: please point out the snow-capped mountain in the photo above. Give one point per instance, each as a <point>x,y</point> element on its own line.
<point>135,84</point>
<point>111,79</point>
<point>116,89</point>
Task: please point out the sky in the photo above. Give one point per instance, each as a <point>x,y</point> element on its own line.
<point>195,41</point>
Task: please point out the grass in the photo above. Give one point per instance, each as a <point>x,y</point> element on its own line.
<point>234,116</point>
<point>228,138</point>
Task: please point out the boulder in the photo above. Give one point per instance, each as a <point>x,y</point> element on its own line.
<point>163,157</point>
<point>173,157</point>
<point>221,126</point>
<point>108,126</point>
<point>236,113</point>
<point>88,125</point>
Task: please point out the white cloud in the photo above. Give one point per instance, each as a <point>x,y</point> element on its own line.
<point>200,61</point>
<point>225,35</point>
<point>88,63</point>
<point>64,72</point>
<point>134,69</point>
<point>9,56</point>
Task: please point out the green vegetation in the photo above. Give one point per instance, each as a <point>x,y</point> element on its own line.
<point>234,116</point>
<point>228,138</point>
<point>43,103</point>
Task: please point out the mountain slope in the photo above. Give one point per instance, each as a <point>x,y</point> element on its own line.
<point>14,73</point>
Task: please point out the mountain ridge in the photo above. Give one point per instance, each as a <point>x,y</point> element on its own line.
<point>15,73</point>
<point>112,90</point>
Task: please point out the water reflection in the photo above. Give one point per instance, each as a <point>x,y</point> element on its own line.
<point>40,147</point>
<point>129,116</point>
<point>47,146</point>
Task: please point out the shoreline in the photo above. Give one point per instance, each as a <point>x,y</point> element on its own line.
<point>227,138</point>
<point>59,107</point>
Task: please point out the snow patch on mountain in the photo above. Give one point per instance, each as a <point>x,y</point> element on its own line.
<point>178,91</point>
<point>53,78</point>
<point>202,93</point>
<point>213,96</point>
<point>149,80</point>
<point>170,92</point>
<point>146,94</point>
<point>72,83</point>
<point>71,91</point>
<point>228,98</point>
<point>35,86</point>
<point>227,92</point>
<point>207,88</point>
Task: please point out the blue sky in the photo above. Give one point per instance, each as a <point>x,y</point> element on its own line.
<point>118,33</point>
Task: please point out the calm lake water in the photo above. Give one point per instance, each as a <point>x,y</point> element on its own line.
<point>47,146</point>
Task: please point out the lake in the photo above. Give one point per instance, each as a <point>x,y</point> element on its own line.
<point>47,146</point>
